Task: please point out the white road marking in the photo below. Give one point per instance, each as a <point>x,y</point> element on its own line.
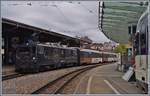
<point>112,87</point>
<point>89,85</point>
<point>77,87</point>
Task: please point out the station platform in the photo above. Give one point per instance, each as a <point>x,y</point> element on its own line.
<point>8,69</point>
<point>105,80</point>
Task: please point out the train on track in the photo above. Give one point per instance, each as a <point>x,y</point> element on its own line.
<point>141,52</point>
<point>34,57</point>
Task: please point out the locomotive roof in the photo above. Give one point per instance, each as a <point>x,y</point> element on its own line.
<point>71,48</point>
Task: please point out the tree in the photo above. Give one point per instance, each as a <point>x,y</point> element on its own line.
<point>120,48</point>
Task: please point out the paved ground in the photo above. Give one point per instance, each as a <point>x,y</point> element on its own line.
<point>102,80</point>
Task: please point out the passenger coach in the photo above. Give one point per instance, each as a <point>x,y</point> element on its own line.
<point>90,56</point>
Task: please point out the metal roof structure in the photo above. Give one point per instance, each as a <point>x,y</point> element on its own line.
<point>15,28</point>
<point>116,17</point>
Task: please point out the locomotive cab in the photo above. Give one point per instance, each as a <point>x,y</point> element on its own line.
<point>26,58</point>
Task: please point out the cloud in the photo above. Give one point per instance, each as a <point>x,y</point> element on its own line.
<point>63,17</point>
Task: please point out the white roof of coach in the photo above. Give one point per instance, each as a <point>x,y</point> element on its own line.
<point>109,53</point>
<point>89,50</point>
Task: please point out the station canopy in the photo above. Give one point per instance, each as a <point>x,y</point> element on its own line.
<point>118,16</point>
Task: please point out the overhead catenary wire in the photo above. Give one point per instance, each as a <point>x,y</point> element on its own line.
<point>53,4</point>
<point>89,10</point>
<point>60,11</point>
<point>82,5</point>
<point>56,6</point>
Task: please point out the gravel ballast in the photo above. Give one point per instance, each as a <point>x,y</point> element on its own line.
<point>29,83</point>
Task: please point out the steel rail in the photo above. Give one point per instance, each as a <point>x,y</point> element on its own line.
<point>12,76</point>
<point>55,86</point>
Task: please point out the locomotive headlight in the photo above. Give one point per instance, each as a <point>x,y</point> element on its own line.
<point>33,58</point>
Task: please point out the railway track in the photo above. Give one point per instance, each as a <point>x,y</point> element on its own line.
<point>12,76</point>
<point>58,84</point>
<point>15,75</point>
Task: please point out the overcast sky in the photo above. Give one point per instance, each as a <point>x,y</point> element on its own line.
<point>70,18</point>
